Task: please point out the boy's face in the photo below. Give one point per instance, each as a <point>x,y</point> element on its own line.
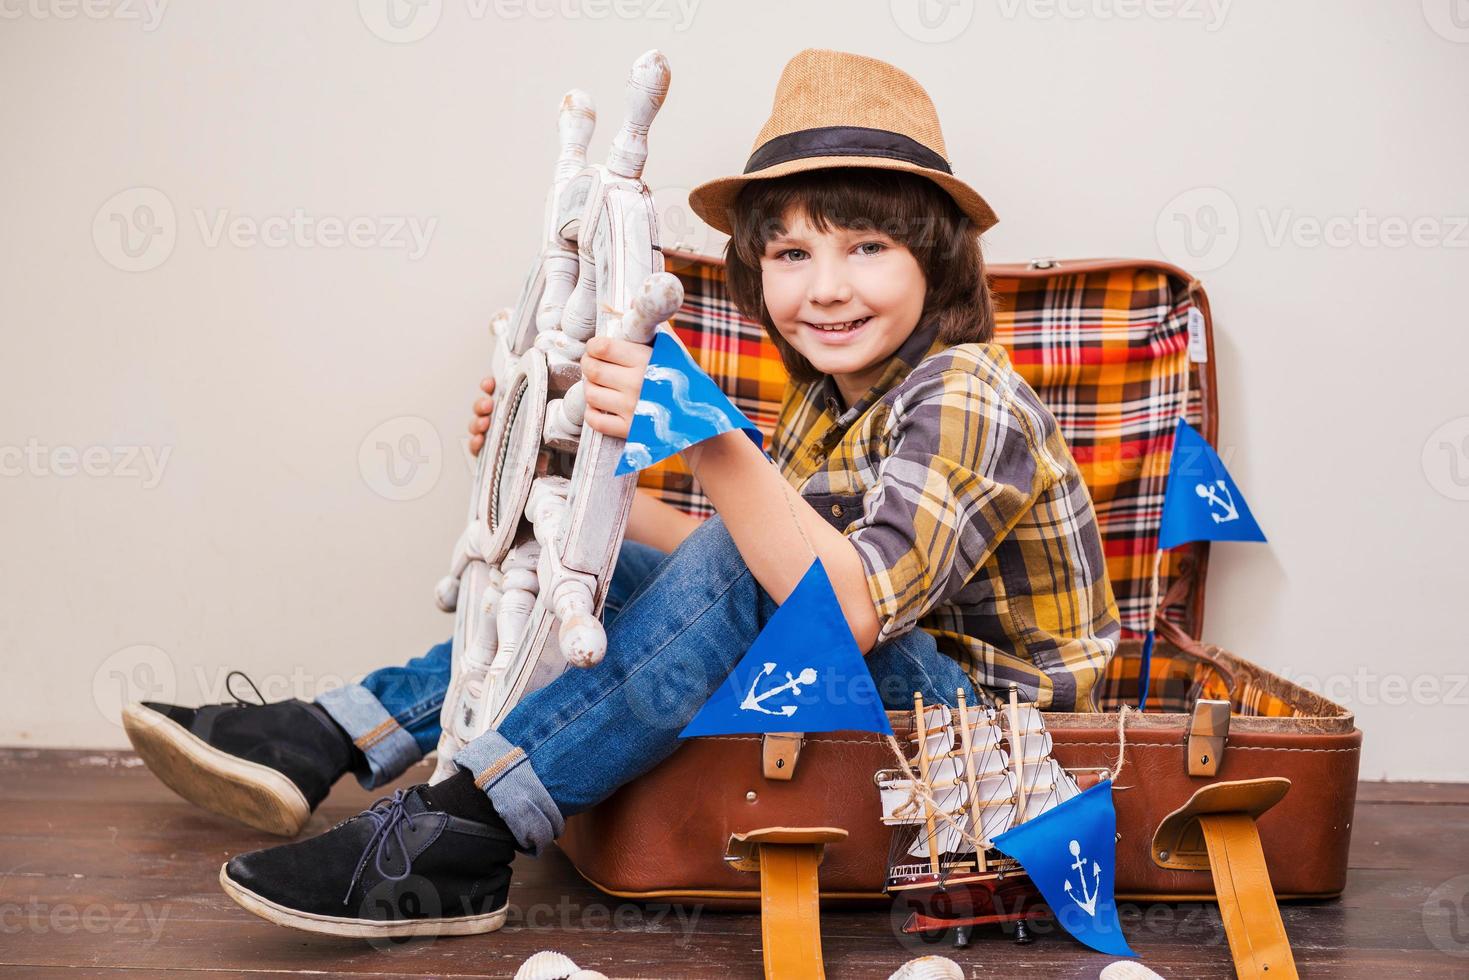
<point>813,279</point>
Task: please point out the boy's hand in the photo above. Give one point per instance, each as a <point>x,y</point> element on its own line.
<point>483,409</point>
<point>612,377</point>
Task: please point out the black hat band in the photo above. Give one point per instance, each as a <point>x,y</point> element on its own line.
<point>845,141</point>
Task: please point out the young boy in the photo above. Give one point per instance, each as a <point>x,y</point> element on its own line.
<point>925,473</point>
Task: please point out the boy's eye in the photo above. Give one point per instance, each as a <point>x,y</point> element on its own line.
<point>796,254</point>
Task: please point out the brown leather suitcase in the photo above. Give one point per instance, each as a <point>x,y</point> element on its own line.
<point>665,835</point>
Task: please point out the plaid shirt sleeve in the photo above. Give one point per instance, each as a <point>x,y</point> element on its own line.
<point>961,467</point>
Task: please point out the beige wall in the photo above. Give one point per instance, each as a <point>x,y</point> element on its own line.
<point>235,509</point>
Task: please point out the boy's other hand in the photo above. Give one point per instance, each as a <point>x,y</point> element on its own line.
<point>612,377</point>
<point>483,409</point>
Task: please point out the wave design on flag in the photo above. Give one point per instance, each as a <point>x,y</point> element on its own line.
<point>679,383</point>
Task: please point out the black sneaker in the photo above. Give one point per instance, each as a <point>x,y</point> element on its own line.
<point>265,765</point>
<point>405,867</point>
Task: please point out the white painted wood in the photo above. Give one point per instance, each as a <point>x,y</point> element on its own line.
<point>543,533</point>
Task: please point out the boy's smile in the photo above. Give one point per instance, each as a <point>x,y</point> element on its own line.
<point>844,299</point>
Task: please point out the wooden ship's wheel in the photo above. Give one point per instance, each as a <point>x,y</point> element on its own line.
<point>546,516</point>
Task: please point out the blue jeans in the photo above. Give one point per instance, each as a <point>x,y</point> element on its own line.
<point>676,626</point>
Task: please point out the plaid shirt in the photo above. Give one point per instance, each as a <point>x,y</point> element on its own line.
<point>968,511</point>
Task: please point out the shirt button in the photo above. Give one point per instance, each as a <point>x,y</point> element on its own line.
<point>836,510</point>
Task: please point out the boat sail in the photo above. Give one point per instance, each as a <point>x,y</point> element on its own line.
<point>974,772</point>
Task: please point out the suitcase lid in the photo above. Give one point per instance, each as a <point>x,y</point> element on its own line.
<point>1105,342</point>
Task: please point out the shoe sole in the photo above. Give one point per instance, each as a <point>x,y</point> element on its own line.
<point>466,925</point>
<point>254,794</point>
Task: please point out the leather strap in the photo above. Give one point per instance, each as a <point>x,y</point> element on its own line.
<point>790,894</point>
<point>790,911</point>
<point>1223,814</point>
<point>1257,939</point>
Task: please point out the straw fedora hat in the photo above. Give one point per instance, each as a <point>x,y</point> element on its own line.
<point>835,109</point>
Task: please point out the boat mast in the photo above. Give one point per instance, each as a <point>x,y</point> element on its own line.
<point>933,848</point>
<point>1017,752</point>
<point>974,820</point>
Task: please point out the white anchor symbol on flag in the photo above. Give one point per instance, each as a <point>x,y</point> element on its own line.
<point>1079,866</point>
<point>1231,512</point>
<point>792,684</point>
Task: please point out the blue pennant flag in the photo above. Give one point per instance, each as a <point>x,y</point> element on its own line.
<point>803,673</point>
<point>1202,501</point>
<point>1070,852</point>
<point>679,406</point>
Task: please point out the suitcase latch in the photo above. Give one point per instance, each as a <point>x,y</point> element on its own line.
<point>1207,733</point>
<point>778,754</point>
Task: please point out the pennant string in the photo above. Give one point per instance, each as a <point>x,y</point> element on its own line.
<point>1116,770</point>
<point>800,526</point>
<point>1155,580</point>
<point>693,463</point>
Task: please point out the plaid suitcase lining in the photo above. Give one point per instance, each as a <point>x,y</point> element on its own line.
<point>1106,351</point>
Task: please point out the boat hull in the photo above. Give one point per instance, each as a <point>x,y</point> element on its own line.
<point>967,899</point>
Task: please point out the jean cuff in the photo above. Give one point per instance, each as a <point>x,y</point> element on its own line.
<point>384,749</point>
<point>505,774</point>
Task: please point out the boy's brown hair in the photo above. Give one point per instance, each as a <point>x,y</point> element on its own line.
<point>915,212</point>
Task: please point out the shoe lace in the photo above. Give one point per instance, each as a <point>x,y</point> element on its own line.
<point>389,821</point>
<point>229,680</point>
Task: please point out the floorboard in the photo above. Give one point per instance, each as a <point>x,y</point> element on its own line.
<point>104,873</point>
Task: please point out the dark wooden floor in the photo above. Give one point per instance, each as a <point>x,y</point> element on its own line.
<point>104,873</point>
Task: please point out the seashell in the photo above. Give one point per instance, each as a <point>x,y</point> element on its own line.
<point>546,965</point>
<point>1128,970</point>
<point>929,968</point>
<point>587,975</point>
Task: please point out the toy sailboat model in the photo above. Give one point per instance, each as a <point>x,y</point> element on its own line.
<point>975,772</point>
